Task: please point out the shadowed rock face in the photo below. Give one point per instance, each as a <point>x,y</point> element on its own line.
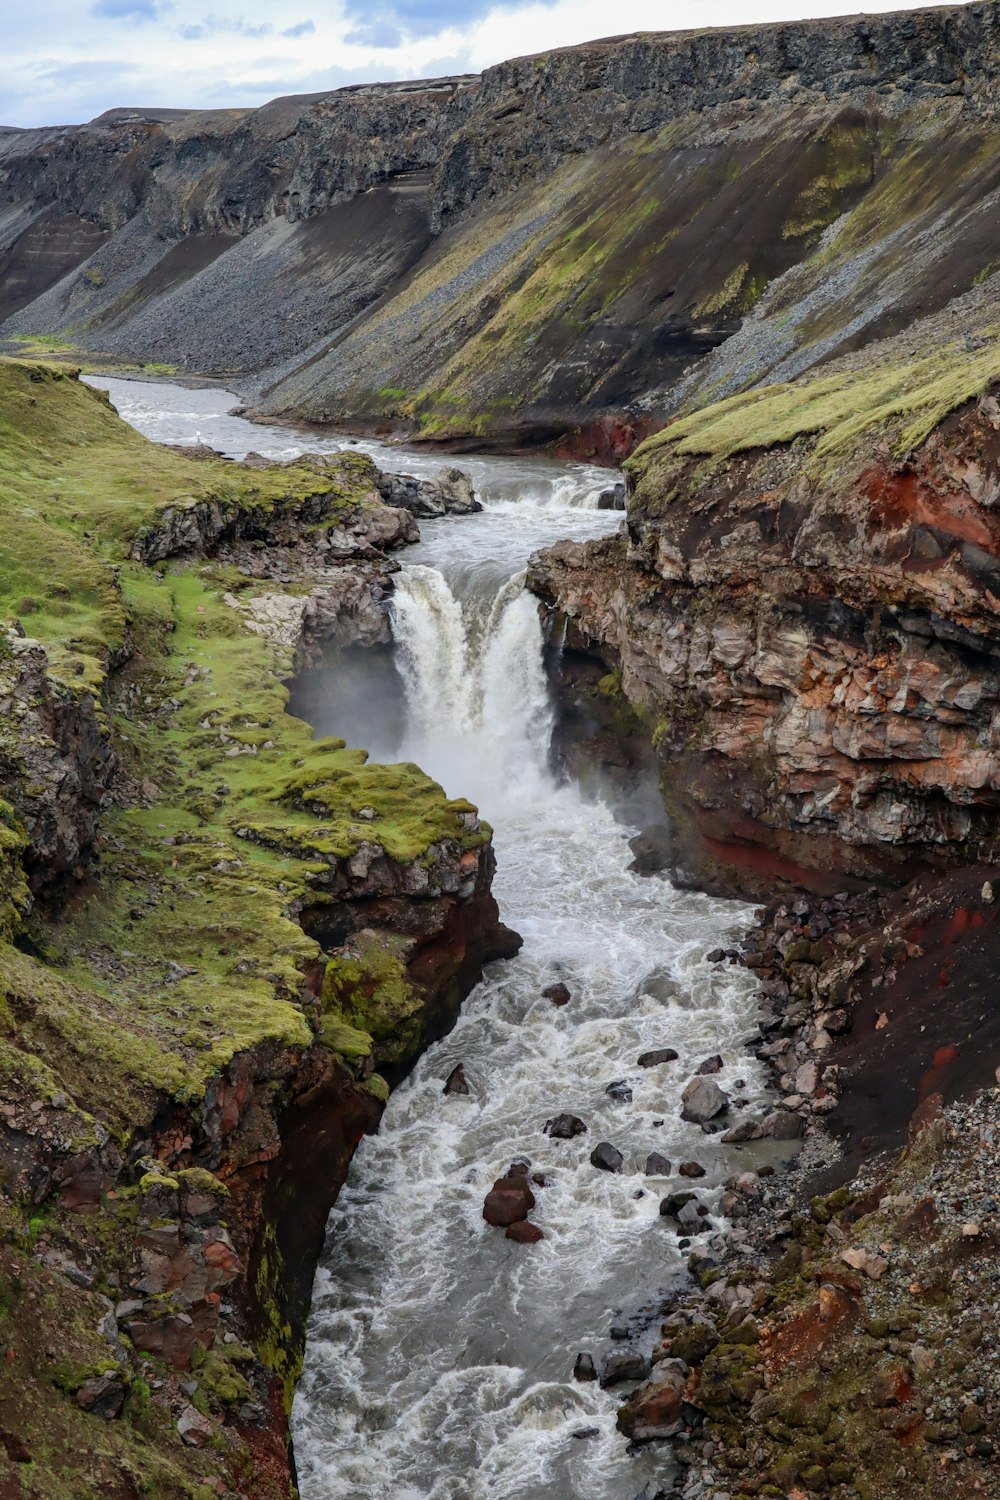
<point>569,248</point>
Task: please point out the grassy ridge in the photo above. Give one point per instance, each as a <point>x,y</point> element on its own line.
<point>839,415</point>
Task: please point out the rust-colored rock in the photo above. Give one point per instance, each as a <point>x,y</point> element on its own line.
<point>524,1233</point>
<point>508,1200</point>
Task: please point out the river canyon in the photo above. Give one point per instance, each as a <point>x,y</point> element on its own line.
<point>500,781</point>
<point>440,1356</point>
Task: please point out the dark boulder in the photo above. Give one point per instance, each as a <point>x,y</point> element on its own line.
<point>711,1064</point>
<point>565,1127</point>
<point>557,993</point>
<point>702,1100</point>
<point>612,498</point>
<point>621,1090</point>
<point>651,850</point>
<point>607,1157</point>
<point>657,1165</point>
<point>103,1395</point>
<point>653,1412</point>
<point>660,1055</point>
<point>623,1364</point>
<point>523,1233</point>
<point>691,1169</point>
<point>783,1125</point>
<point>456,1082</point>
<point>584,1369</point>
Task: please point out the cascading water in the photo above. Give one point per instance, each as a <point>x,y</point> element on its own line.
<point>478,711</point>
<point>440,1354</point>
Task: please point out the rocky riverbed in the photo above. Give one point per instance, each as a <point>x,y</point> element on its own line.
<point>834,1332</point>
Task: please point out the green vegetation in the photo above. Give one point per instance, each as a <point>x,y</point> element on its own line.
<point>80,489</point>
<point>366,987</point>
<point>191,951</point>
<point>848,166</point>
<point>13,885</point>
<point>840,413</point>
<point>185,948</point>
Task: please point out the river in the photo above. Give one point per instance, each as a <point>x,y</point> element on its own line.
<point>440,1354</point>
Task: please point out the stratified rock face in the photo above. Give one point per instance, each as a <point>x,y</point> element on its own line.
<point>571,247</point>
<point>56,760</point>
<point>813,632</point>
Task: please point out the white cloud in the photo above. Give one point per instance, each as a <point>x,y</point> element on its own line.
<point>65,62</point>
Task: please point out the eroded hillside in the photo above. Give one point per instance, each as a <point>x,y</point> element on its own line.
<point>571,247</point>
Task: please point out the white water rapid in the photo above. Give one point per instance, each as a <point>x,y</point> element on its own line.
<point>440,1354</point>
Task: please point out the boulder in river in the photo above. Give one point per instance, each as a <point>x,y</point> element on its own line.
<point>746,1130</point>
<point>613,498</point>
<point>565,1127</point>
<point>607,1157</point>
<point>702,1099</point>
<point>711,1064</point>
<point>523,1233</point>
<point>584,1369</point>
<point>621,1090</point>
<point>557,993</point>
<point>508,1200</point>
<point>456,1082</point>
<point>654,1411</point>
<point>449,493</point>
<point>783,1125</point>
<point>691,1169</point>
<point>623,1364</point>
<point>657,1165</point>
<point>659,1055</point>
<point>651,849</point>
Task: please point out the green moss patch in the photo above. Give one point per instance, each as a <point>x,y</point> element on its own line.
<point>840,414</point>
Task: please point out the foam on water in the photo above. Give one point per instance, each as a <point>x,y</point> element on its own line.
<point>440,1354</point>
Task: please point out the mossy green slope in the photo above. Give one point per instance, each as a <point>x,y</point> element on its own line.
<point>183,949</point>
<point>242,817</point>
<point>836,417</point>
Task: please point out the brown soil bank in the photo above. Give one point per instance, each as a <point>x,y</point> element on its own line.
<point>567,249</point>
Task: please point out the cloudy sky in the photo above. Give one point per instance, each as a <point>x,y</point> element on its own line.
<point>67,60</point>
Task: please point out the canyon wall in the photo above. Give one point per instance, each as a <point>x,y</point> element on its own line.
<point>568,249</point>
<point>803,605</point>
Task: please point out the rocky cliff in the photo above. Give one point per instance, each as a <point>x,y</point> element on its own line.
<point>803,605</point>
<point>572,247</point>
<point>219,938</point>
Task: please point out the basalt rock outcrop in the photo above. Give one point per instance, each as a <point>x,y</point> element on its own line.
<point>221,939</point>
<point>803,605</point>
<point>567,249</point>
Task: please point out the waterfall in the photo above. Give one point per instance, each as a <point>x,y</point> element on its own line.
<point>478,710</point>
